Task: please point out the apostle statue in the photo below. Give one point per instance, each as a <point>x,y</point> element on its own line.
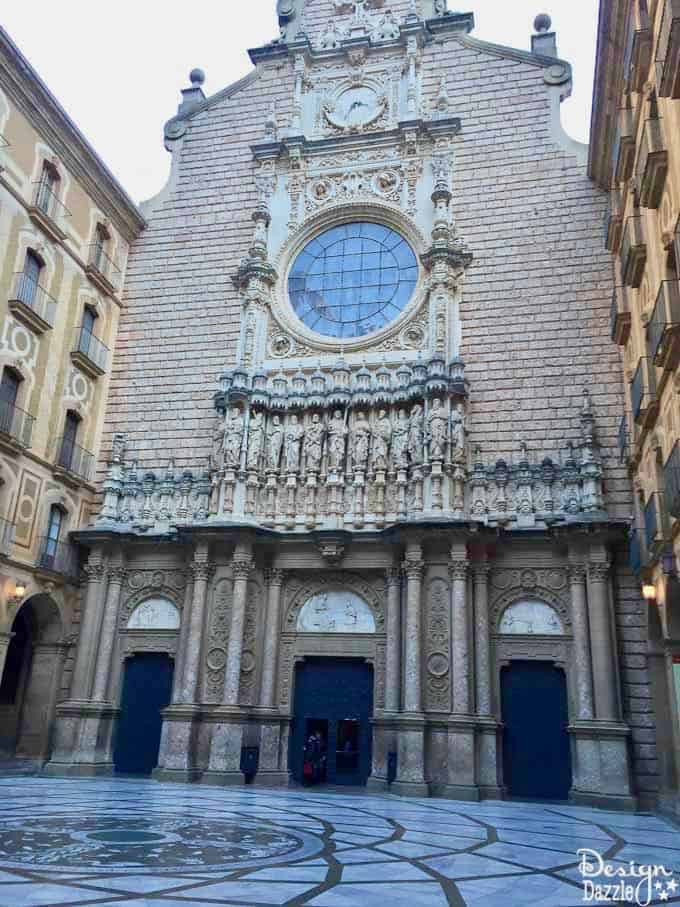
<point>337,433</point>
<point>458,430</point>
<point>233,438</point>
<point>437,430</point>
<point>313,444</point>
<point>400,436</point>
<point>292,438</point>
<point>255,440</point>
<point>382,435</point>
<point>217,450</point>
<point>274,444</point>
<point>361,440</point>
<point>415,434</point>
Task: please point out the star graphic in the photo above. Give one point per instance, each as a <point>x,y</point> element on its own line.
<point>663,896</point>
<point>658,885</point>
<point>672,885</point>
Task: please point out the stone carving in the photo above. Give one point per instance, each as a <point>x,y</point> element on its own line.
<point>440,7</point>
<point>292,439</point>
<point>416,434</point>
<point>387,28</point>
<point>247,683</point>
<point>217,451</point>
<point>274,443</point>
<point>382,435</point>
<point>218,640</point>
<point>337,434</point>
<point>530,617</point>
<point>335,611</point>
<point>360,441</point>
<point>558,601</point>
<point>154,614</point>
<point>345,585</point>
<point>438,683</point>
<point>255,440</point>
<point>400,440</point>
<point>313,443</point>
<point>437,428</point>
<point>233,438</point>
<point>332,37</point>
<point>458,430</point>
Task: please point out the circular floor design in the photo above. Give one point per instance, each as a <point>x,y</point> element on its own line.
<point>112,843</point>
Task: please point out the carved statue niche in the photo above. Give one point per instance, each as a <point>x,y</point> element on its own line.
<point>437,430</point>
<point>292,438</point>
<point>382,435</point>
<point>217,451</point>
<point>313,444</point>
<point>387,28</point>
<point>233,438</point>
<point>458,431</point>
<point>255,440</point>
<point>416,434</point>
<point>337,434</point>
<point>274,444</point>
<point>361,441</point>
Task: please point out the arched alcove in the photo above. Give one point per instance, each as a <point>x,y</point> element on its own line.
<point>530,617</point>
<point>336,611</point>
<point>155,614</point>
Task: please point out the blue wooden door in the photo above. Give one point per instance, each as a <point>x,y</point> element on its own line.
<point>334,698</point>
<point>536,754</point>
<point>147,688</point>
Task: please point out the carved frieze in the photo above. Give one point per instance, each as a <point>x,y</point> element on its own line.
<point>217,640</point>
<point>249,657</point>
<point>437,660</point>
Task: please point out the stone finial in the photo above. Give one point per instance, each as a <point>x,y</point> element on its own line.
<point>544,41</point>
<point>197,78</point>
<point>193,96</point>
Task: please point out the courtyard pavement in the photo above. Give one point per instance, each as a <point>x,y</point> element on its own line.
<point>144,844</point>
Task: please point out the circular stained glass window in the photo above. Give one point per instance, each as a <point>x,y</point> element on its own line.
<point>352,280</point>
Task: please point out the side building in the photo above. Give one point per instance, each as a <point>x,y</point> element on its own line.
<point>353,488</point>
<point>65,229</point>
<point>635,156</point>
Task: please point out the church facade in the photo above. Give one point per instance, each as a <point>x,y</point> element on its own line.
<point>360,482</point>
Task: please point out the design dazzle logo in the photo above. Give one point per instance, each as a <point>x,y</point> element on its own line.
<point>627,883</point>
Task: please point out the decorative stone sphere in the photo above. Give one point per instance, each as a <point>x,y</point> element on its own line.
<point>542,23</point>
<point>197,77</point>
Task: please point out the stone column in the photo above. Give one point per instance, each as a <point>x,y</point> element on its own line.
<point>107,635</point>
<point>458,571</point>
<point>481,573</point>
<point>410,727</point>
<point>271,638</point>
<point>604,667</point>
<point>242,565</point>
<point>393,630</point>
<point>582,661</point>
<point>176,755</point>
<point>90,617</point>
<point>5,639</point>
<point>183,639</point>
<point>202,571</point>
<point>412,667</point>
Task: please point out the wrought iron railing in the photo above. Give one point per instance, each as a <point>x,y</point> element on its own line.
<point>49,204</point>
<point>7,533</point>
<point>73,458</point>
<point>104,264</point>
<point>633,251</point>
<point>58,557</point>
<point>668,51</point>
<point>85,343</point>
<point>619,316</point>
<point>671,476</point>
<point>642,387</point>
<point>16,423</point>
<point>35,297</point>
<point>665,317</point>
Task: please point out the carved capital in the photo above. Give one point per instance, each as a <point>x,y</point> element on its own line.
<point>241,567</point>
<point>599,573</point>
<point>201,570</point>
<point>414,570</point>
<point>94,572</point>
<point>392,577</point>
<point>274,576</point>
<point>577,573</point>
<point>458,570</point>
<point>481,570</point>
<point>117,575</point>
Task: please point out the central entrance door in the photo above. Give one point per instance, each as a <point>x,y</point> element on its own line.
<point>331,724</point>
<point>536,754</point>
<point>147,689</point>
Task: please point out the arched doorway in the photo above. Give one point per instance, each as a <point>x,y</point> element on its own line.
<point>31,680</point>
<point>536,753</point>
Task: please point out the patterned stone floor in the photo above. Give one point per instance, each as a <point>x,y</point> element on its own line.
<point>143,844</point>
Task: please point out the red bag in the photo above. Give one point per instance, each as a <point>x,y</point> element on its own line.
<point>308,769</point>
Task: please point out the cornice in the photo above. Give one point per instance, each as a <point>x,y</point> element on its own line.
<point>174,128</point>
<point>45,113</point>
<point>540,61</point>
<point>607,88</point>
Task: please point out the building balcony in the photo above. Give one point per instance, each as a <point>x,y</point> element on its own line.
<point>633,251</point>
<point>47,212</point>
<point>656,525</point>
<point>671,476</point>
<point>640,55</point>
<point>652,164</point>
<point>613,222</point>
<point>103,270</point>
<point>89,353</point>
<point>668,51</point>
<point>32,304</point>
<point>57,557</point>
<point>643,391</point>
<point>619,317</point>
<point>7,534</point>
<point>72,460</point>
<point>16,428</point>
<point>635,552</point>
<point>624,146</point>
<point>663,330</point>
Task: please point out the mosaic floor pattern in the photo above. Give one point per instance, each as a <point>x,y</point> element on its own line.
<point>143,844</point>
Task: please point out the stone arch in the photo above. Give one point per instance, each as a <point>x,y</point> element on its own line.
<point>545,617</point>
<point>155,613</point>
<point>32,679</point>
<point>133,601</point>
<point>538,594</point>
<point>345,582</point>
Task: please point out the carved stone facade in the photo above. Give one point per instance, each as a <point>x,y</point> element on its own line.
<point>416,482</point>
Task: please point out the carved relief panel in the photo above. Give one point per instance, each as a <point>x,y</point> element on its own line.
<point>437,647</point>
<point>217,644</point>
